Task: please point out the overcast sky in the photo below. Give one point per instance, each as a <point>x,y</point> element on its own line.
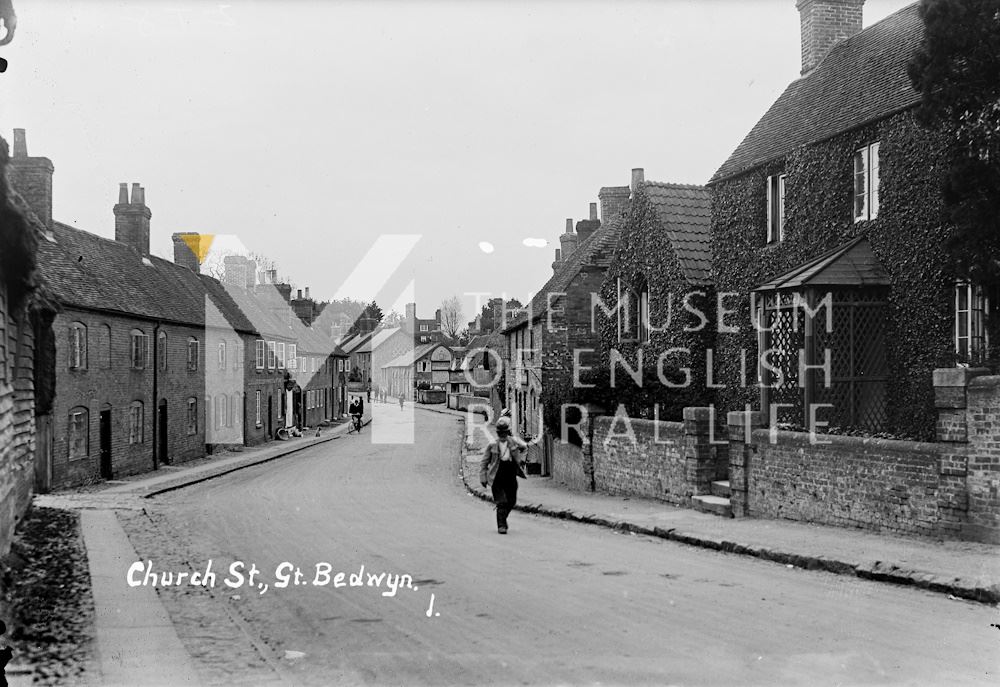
<point>307,129</point>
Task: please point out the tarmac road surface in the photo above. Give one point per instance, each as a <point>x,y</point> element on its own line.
<point>553,602</point>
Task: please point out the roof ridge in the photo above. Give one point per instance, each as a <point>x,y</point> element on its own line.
<point>676,184</point>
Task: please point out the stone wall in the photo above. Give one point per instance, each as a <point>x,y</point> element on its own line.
<point>572,466</point>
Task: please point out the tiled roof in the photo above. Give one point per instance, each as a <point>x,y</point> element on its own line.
<point>88,271</point>
<point>852,264</point>
<point>684,212</point>
<point>412,356</point>
<point>596,250</point>
<point>357,344</point>
<point>383,335</point>
<point>862,79</point>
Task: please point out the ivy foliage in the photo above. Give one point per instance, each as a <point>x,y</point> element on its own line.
<point>908,238</point>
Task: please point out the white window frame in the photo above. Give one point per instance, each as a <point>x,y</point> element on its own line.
<point>272,355</point>
<point>192,417</point>
<point>78,346</point>
<point>193,354</point>
<point>139,348</point>
<point>259,416</point>
<point>971,335</point>
<point>425,328</point>
<point>222,355</point>
<point>776,208</point>
<point>136,422</point>
<point>293,359</point>
<point>281,355</point>
<point>644,328</point>
<point>78,431</point>
<point>259,351</point>
<point>866,182</point>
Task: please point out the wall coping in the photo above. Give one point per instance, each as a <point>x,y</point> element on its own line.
<point>762,436</point>
<point>667,425</point>
<point>957,376</point>
<point>985,381</point>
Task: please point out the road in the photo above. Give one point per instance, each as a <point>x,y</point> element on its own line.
<point>553,602</point>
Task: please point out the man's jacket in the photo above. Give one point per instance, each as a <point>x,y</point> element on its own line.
<point>491,459</point>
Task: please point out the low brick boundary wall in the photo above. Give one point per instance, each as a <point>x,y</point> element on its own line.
<point>464,401</point>
<point>572,466</point>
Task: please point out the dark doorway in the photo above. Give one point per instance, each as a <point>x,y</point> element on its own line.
<point>270,412</point>
<point>105,437</point>
<point>161,433</point>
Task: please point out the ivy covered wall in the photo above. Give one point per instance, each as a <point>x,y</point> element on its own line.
<point>645,254</point>
<point>907,237</point>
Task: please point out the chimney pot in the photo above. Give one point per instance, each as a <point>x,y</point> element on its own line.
<point>638,176</point>
<point>307,293</point>
<point>593,211</point>
<point>569,225</point>
<point>558,255</point>
<point>298,294</point>
<point>123,194</point>
<point>20,143</point>
<point>183,254</point>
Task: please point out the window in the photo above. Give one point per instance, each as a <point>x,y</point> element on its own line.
<point>161,350</point>
<point>776,208</point>
<point>192,416</point>
<point>313,364</point>
<point>424,328</point>
<point>221,410</point>
<point>628,312</point>
<point>236,405</point>
<point>259,420</point>
<point>260,354</point>
<point>135,423</point>
<point>222,355</point>
<point>272,356</point>
<point>237,354</point>
<point>140,348</point>
<point>971,310</point>
<point>281,355</point>
<point>866,183</point>
<point>193,354</point>
<point>293,360</point>
<point>78,437</point>
<point>78,346</point>
<point>643,312</point>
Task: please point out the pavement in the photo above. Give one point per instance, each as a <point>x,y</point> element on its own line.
<point>967,570</point>
<point>128,622</point>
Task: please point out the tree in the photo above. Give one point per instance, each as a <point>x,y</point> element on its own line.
<point>957,73</point>
<point>493,314</point>
<point>215,263</point>
<point>367,320</point>
<point>393,319</point>
<point>451,317</point>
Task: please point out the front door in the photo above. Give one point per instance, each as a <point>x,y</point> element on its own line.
<point>270,413</point>
<point>105,438</point>
<point>161,434</point>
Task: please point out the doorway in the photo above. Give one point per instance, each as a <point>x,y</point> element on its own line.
<point>161,433</point>
<point>105,439</point>
<point>270,413</point>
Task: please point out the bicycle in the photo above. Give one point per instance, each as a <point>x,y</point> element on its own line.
<point>355,424</point>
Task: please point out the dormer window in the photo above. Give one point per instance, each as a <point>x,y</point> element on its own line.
<point>776,208</point>
<point>866,183</point>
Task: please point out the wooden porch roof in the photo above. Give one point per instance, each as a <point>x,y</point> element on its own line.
<point>850,265</point>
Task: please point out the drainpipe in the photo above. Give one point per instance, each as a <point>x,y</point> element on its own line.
<point>156,406</point>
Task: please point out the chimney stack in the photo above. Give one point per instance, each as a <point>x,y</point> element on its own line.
<point>307,293</point>
<point>557,263</point>
<point>132,219</point>
<point>568,241</point>
<point>298,295</point>
<point>184,255</point>
<point>235,268</point>
<point>614,202</point>
<point>32,178</point>
<point>824,23</point>
<point>593,211</point>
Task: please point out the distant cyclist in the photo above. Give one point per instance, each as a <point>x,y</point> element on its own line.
<point>356,410</point>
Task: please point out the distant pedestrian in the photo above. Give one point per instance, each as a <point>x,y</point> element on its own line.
<point>401,401</point>
<point>500,468</point>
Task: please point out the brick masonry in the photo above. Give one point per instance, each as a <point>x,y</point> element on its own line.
<point>572,466</point>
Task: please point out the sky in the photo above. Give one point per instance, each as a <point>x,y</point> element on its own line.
<point>388,150</point>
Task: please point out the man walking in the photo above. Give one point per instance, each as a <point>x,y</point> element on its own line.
<point>500,469</point>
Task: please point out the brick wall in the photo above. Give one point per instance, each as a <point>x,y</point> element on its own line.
<point>982,478</point>
<point>669,461</point>
<point>572,466</point>
<point>875,484</point>
<point>109,383</point>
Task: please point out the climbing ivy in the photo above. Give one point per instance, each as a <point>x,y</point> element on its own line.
<point>907,238</point>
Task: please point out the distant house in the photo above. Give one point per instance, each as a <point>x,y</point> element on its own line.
<point>427,364</point>
<point>832,203</point>
<point>21,316</point>
<point>543,342</point>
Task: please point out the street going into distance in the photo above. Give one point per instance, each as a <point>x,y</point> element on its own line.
<point>428,593</point>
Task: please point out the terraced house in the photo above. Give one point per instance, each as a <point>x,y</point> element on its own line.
<point>832,203</point>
